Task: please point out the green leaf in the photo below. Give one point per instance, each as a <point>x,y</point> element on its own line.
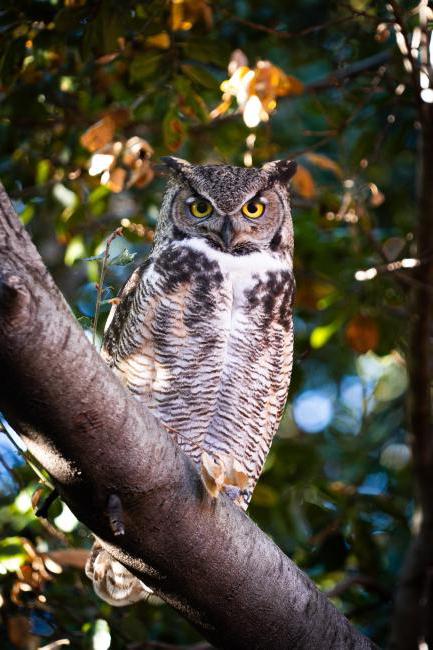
<point>12,553</point>
<point>321,335</point>
<point>173,129</point>
<point>144,66</point>
<point>200,75</point>
<point>123,259</point>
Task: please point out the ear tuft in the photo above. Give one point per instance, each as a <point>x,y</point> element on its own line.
<point>177,165</point>
<point>280,170</point>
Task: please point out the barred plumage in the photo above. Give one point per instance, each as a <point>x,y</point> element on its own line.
<point>203,333</point>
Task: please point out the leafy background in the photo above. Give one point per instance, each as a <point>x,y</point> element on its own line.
<point>91,95</point>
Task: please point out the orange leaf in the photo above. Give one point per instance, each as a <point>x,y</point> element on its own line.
<point>324,162</point>
<point>362,334</point>
<point>101,133</point>
<point>186,13</point>
<point>161,41</point>
<point>116,180</point>
<point>303,183</point>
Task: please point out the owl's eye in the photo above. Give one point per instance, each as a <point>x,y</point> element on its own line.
<point>253,209</point>
<point>200,208</point>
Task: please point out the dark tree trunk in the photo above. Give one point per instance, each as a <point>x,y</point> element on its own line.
<point>413,617</point>
<point>205,557</point>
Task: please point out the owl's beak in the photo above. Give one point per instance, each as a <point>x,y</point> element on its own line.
<point>226,232</point>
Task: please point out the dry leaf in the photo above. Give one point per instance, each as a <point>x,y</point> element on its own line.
<point>234,473</point>
<point>324,162</point>
<point>212,473</point>
<point>102,132</point>
<point>136,149</point>
<point>161,41</point>
<point>255,89</point>
<point>184,14</point>
<point>362,334</point>
<point>303,183</point>
<point>99,134</point>
<point>115,180</point>
<point>36,497</point>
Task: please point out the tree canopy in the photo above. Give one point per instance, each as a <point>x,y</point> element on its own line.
<point>92,94</point>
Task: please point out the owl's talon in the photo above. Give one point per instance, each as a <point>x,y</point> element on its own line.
<point>222,472</point>
<point>115,515</point>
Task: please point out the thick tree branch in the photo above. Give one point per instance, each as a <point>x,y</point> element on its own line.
<point>205,557</point>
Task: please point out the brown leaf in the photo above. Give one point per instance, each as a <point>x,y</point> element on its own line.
<point>324,162</point>
<point>136,150</point>
<point>116,180</point>
<point>185,14</point>
<point>212,473</point>
<point>99,134</point>
<point>161,41</point>
<point>102,132</point>
<point>234,472</point>
<point>36,497</point>
<point>303,183</point>
<point>362,334</point>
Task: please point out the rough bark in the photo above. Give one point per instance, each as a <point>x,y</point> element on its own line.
<point>413,617</point>
<point>205,557</point>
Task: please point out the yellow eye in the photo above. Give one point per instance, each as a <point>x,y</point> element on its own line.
<point>200,208</point>
<point>253,209</point>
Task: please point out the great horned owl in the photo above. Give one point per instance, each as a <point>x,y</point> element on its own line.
<point>203,332</point>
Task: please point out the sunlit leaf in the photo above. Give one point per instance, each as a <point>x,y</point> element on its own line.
<point>123,259</point>
<point>161,41</point>
<point>321,335</point>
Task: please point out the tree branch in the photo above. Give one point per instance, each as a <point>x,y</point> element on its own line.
<point>204,557</point>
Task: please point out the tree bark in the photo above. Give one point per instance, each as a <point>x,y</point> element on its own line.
<point>413,616</point>
<point>205,557</point>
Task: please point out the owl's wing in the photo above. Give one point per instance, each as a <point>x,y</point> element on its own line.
<point>116,336</point>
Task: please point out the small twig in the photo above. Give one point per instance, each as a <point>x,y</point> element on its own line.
<point>24,453</point>
<point>117,233</point>
<point>281,33</point>
<point>369,583</point>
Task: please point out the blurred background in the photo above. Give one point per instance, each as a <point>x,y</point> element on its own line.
<point>92,93</point>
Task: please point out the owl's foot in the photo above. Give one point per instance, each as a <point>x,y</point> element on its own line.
<point>221,472</point>
<point>111,581</point>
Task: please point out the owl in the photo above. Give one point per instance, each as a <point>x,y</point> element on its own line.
<point>203,330</point>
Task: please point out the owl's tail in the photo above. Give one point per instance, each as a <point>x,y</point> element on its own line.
<point>111,581</point>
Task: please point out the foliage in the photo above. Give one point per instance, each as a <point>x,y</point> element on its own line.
<point>92,94</point>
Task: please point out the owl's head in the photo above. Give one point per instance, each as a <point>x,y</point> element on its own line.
<point>238,210</point>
